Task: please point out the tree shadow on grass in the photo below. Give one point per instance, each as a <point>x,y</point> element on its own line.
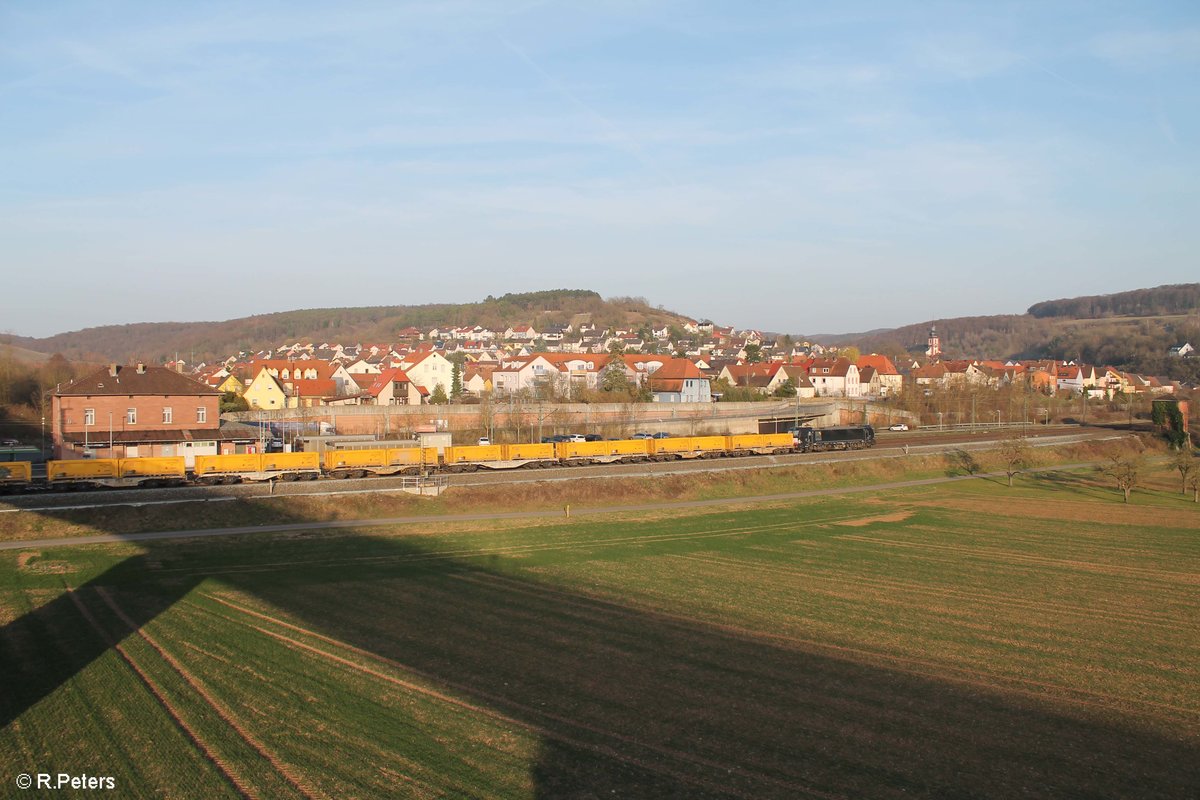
<point>625,701</point>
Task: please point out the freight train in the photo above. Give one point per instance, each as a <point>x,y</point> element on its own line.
<point>228,469</point>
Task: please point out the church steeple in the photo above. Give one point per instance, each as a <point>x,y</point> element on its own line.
<point>935,344</point>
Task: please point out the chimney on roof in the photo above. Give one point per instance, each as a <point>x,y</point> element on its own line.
<point>141,368</point>
<point>112,370</point>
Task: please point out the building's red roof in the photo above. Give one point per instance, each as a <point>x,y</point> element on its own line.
<point>117,379</point>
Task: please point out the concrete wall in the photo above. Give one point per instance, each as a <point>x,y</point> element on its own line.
<point>530,420</point>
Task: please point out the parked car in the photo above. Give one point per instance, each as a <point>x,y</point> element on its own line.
<point>660,435</point>
<point>9,443</point>
<point>483,440</point>
<point>899,426</point>
<point>576,437</point>
<point>641,436</point>
<point>593,437</point>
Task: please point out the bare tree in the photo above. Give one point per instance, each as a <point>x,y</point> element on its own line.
<point>961,459</point>
<point>1125,468</point>
<point>1194,484</point>
<point>1015,452</point>
<point>1185,462</point>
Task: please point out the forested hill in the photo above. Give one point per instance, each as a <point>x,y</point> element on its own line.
<point>204,341</point>
<point>1130,330</point>
<point>1180,298</point>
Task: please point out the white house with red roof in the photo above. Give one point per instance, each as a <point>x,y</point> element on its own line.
<point>832,377</point>
<point>884,380</point>
<point>391,387</point>
<point>428,368</point>
<point>679,381</point>
<point>521,333</point>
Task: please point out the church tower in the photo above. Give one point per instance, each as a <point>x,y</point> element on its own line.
<point>935,344</point>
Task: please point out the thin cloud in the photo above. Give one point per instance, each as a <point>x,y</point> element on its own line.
<point>612,132</point>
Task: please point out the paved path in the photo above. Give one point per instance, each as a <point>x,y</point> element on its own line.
<point>576,512</point>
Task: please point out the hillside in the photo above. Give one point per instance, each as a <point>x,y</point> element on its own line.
<point>202,341</point>
<point>1182,298</point>
<point>1129,330</point>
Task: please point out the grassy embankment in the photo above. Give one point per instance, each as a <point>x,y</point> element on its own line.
<point>965,639</point>
<point>539,496</point>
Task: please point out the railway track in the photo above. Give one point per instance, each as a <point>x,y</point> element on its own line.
<point>889,445</point>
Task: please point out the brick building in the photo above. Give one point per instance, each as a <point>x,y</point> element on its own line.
<point>136,410</point>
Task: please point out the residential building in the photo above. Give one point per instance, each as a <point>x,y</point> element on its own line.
<point>835,377</point>
<point>679,381</point>
<point>137,410</point>
<point>428,369</point>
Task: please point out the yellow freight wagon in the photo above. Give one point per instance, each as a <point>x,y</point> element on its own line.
<point>165,467</point>
<point>524,452</point>
<point>474,454</point>
<point>689,446</point>
<point>82,470</point>
<point>292,466</point>
<point>379,461</point>
<point>16,473</point>
<point>217,469</point>
<point>604,451</point>
<point>116,472</point>
<point>760,442</point>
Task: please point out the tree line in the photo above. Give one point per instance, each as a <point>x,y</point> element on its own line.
<point>1182,298</point>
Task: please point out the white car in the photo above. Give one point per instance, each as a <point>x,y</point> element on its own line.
<point>483,440</point>
<point>576,437</point>
<point>899,426</point>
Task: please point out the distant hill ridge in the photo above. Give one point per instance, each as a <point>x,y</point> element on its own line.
<point>1180,298</point>
<point>204,341</point>
<point>1131,330</point>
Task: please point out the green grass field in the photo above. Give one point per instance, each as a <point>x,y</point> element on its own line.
<point>965,640</point>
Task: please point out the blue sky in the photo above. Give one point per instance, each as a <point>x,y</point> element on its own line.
<point>790,166</point>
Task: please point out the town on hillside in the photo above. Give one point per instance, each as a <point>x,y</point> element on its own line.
<point>142,409</point>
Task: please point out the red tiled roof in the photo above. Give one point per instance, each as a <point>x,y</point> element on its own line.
<point>128,381</point>
<point>313,388</point>
<point>881,364</point>
<point>386,377</point>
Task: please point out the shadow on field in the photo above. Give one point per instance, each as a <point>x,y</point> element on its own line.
<point>626,702</point>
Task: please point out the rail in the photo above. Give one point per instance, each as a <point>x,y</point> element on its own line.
<point>432,484</point>
<point>960,427</point>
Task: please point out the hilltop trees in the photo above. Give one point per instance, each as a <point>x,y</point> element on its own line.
<point>26,386</point>
<point>1171,299</point>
